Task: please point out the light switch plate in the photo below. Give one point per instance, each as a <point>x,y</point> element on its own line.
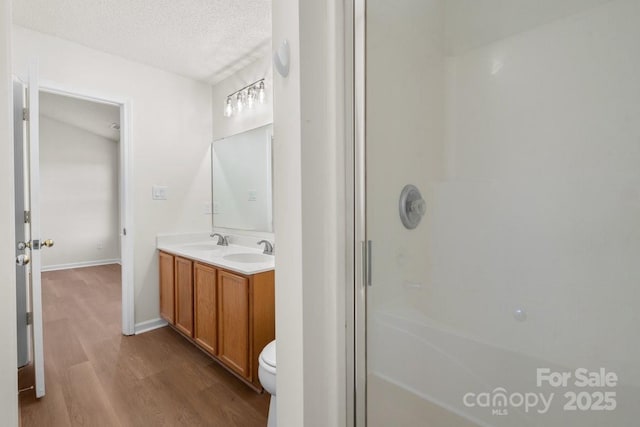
<point>253,195</point>
<point>159,192</point>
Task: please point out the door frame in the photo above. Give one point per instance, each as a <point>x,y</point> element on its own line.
<point>125,177</point>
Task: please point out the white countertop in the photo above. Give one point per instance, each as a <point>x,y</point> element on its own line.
<point>208,252</point>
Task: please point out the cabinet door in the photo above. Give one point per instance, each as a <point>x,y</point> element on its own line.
<point>233,322</point>
<point>167,290</point>
<point>205,310</point>
<point>184,295</point>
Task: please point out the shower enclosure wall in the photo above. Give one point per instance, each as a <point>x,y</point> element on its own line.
<point>514,302</point>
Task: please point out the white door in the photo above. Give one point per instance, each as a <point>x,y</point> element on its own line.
<point>21,229</point>
<point>37,243</point>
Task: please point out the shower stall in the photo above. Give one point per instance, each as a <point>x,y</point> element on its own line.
<point>497,213</point>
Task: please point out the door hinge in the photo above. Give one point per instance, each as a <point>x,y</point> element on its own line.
<point>25,114</point>
<point>27,217</point>
<point>124,231</point>
<point>30,318</point>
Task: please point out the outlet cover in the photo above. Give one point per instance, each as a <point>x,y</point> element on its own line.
<point>159,192</point>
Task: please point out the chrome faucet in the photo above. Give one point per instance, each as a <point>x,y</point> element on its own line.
<point>268,247</point>
<point>222,240</point>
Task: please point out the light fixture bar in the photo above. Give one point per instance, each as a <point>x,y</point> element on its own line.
<point>246,87</point>
<point>247,96</point>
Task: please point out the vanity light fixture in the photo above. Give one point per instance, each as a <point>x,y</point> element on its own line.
<point>261,92</point>
<point>228,107</point>
<point>245,97</point>
<point>251,97</point>
<point>240,102</point>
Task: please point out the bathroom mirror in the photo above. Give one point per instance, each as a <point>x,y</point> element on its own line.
<point>241,181</point>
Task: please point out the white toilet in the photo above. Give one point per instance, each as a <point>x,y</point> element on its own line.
<point>267,375</point>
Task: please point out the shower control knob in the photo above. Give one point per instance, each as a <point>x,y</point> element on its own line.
<point>412,206</point>
<point>419,207</point>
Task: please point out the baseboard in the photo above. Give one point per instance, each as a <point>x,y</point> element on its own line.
<point>149,325</point>
<point>79,264</point>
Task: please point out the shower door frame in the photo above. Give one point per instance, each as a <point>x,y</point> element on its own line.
<point>356,28</point>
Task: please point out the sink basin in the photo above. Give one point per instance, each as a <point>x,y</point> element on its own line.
<point>203,247</point>
<point>248,257</point>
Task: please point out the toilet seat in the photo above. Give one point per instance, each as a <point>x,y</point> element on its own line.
<point>268,357</point>
<point>267,376</point>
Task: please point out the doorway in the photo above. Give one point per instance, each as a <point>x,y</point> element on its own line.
<point>102,245</point>
<point>86,178</point>
<point>79,210</point>
<point>79,191</point>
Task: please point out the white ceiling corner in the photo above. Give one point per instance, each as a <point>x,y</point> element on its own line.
<point>206,40</point>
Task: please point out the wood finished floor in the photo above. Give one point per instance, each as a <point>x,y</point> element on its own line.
<point>97,377</point>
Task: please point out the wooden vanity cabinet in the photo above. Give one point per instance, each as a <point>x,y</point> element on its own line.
<point>205,331</point>
<point>230,316</point>
<point>246,320</point>
<point>262,318</point>
<point>167,290</point>
<point>233,321</point>
<point>184,295</point>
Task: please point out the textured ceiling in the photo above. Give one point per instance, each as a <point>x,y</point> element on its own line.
<point>90,116</point>
<point>206,40</point>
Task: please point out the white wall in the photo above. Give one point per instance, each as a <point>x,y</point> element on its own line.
<point>546,154</point>
<point>471,23</point>
<point>287,220</point>
<point>260,115</point>
<point>171,132</point>
<point>323,151</point>
<point>8,355</point>
<point>79,195</point>
<point>309,214</point>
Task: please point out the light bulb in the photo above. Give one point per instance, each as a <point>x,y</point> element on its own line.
<point>261,92</point>
<point>239,103</point>
<point>228,108</point>
<point>251,96</point>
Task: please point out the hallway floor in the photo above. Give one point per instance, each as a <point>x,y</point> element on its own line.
<point>97,377</point>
